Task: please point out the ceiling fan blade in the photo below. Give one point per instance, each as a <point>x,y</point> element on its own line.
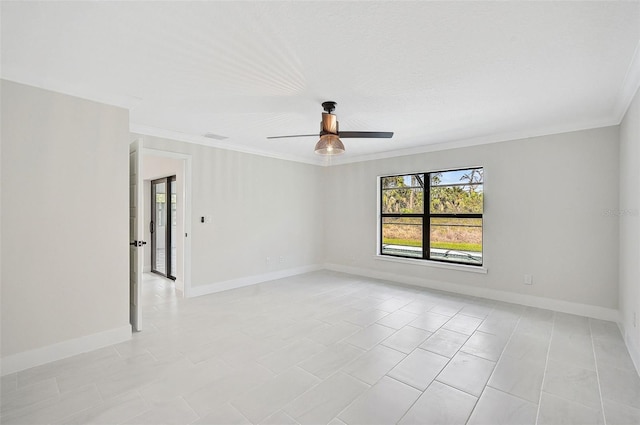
<point>295,135</point>
<point>366,134</point>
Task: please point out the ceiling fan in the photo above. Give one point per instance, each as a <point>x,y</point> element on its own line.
<point>330,143</point>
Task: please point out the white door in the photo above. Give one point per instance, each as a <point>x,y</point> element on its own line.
<point>136,234</point>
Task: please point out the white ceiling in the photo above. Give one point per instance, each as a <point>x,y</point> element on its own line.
<point>436,73</point>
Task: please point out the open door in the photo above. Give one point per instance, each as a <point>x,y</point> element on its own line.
<point>136,234</point>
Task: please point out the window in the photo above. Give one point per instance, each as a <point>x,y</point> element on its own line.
<point>447,229</point>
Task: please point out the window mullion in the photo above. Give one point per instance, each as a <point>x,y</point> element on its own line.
<point>426,221</point>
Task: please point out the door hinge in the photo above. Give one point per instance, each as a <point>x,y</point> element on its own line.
<point>137,243</point>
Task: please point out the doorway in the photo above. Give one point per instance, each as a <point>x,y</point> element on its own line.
<point>158,165</point>
<point>163,227</point>
<point>152,164</point>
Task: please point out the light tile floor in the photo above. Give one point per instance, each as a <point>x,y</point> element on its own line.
<point>157,289</point>
<point>331,348</point>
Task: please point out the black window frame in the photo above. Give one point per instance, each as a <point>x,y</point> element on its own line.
<point>426,217</point>
<point>170,268</point>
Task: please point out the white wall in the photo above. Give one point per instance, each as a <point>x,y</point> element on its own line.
<point>260,207</point>
<point>548,212</point>
<point>64,225</point>
<point>546,203</point>
<point>629,213</point>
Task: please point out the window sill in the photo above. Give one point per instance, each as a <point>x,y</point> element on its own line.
<point>436,264</point>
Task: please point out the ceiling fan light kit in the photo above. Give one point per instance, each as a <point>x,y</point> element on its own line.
<point>330,143</point>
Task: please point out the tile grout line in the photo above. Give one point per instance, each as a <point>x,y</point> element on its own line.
<point>190,406</point>
<point>513,331</point>
<point>146,404</point>
<point>595,360</point>
<point>355,398</point>
<point>86,409</point>
<point>416,400</point>
<point>318,384</point>
<point>165,327</point>
<point>182,397</point>
<point>497,361</point>
<point>390,377</point>
<point>371,386</point>
<point>546,364</point>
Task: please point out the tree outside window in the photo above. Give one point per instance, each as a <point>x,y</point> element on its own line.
<point>449,230</point>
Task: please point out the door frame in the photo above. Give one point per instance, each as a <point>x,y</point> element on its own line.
<point>168,218</point>
<point>136,234</point>
<point>186,189</point>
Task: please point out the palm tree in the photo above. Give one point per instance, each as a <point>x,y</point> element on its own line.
<point>473,178</point>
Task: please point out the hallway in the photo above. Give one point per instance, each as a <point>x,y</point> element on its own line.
<point>157,290</point>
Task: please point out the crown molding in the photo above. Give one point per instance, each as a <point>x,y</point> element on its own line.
<point>628,89</point>
<point>482,140</point>
<point>327,161</point>
<point>205,141</point>
<point>75,90</point>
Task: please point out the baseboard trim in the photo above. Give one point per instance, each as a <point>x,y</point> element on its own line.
<point>225,285</point>
<point>25,360</point>
<point>179,285</point>
<point>39,356</point>
<point>632,346</point>
<point>593,311</point>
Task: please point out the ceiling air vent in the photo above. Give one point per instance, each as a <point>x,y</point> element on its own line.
<point>215,136</point>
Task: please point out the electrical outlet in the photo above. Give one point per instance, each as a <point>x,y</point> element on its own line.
<point>282,258</point>
<point>528,279</point>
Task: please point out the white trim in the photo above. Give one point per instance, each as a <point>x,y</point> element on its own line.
<point>27,359</point>
<point>436,264</point>
<point>205,141</point>
<point>187,190</point>
<point>72,89</point>
<point>212,288</point>
<point>179,285</point>
<point>593,311</point>
<point>436,146</point>
<point>430,146</point>
<point>634,351</point>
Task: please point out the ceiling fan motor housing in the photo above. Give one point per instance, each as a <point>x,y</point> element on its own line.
<point>329,124</point>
